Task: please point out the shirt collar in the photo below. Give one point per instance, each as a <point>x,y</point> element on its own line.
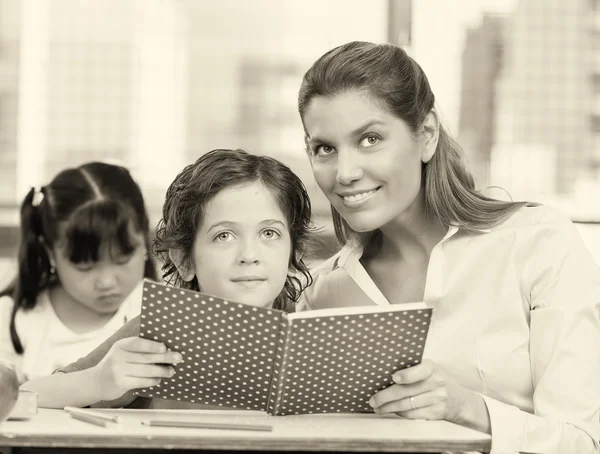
<point>349,260</point>
<point>351,252</point>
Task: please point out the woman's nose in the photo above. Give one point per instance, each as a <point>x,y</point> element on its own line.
<point>349,168</point>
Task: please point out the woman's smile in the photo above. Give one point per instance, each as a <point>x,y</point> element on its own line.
<point>355,199</point>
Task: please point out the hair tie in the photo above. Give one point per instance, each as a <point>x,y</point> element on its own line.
<point>38,196</point>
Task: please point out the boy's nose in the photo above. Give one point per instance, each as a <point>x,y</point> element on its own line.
<point>248,253</point>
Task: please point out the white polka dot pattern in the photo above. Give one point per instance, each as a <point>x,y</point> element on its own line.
<point>332,363</point>
<point>335,364</point>
<point>228,348</point>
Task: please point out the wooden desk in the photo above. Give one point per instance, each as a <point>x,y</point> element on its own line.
<point>334,432</point>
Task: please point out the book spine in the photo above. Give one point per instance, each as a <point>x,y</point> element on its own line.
<point>279,366</point>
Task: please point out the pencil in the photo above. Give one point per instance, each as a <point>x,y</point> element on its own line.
<point>82,411</point>
<point>207,425</point>
<point>90,419</point>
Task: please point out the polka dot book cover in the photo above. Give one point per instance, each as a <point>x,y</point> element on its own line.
<point>239,356</point>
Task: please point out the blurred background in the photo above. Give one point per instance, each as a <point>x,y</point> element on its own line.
<point>154,84</point>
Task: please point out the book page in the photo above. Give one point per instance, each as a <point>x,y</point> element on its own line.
<point>357,310</point>
<point>228,348</point>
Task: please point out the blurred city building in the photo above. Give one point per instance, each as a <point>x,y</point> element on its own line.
<point>155,84</point>
<point>545,130</point>
<point>102,81</point>
<point>10,28</point>
<point>10,15</point>
<point>593,66</point>
<point>481,62</point>
<point>400,23</point>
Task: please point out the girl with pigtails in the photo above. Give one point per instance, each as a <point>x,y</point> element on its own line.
<point>82,255</point>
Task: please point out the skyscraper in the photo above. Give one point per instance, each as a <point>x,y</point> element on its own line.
<point>594,70</point>
<point>545,99</point>
<point>10,12</point>
<point>400,23</point>
<point>481,63</point>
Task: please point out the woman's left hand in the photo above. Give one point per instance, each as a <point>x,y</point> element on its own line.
<point>424,392</point>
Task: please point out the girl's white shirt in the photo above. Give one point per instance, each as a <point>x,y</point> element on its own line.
<point>49,344</point>
<point>516,318</point>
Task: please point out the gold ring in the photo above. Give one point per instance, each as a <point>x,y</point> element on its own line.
<point>412,402</point>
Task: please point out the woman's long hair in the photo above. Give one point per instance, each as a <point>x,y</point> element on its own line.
<point>398,83</point>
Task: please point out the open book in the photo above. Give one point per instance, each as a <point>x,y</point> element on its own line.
<point>321,361</point>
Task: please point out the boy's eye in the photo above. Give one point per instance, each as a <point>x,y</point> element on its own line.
<point>369,140</point>
<point>270,234</point>
<point>223,236</point>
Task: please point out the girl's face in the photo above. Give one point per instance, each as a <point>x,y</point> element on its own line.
<point>364,159</point>
<point>242,248</point>
<point>103,285</point>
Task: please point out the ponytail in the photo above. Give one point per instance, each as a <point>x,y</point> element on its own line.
<point>35,272</point>
<point>397,82</point>
<point>450,194</point>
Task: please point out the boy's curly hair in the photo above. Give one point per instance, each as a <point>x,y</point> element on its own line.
<point>218,169</point>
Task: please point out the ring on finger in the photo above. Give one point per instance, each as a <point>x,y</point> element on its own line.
<point>412,402</point>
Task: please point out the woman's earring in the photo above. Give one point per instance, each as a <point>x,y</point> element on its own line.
<point>146,257</point>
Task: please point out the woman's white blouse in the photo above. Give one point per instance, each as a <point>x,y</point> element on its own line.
<point>516,318</point>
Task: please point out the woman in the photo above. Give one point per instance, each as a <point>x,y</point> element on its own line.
<point>513,345</point>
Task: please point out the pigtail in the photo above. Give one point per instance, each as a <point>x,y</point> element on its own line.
<point>34,269</point>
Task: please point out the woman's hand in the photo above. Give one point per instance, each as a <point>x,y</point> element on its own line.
<point>133,363</point>
<point>424,392</point>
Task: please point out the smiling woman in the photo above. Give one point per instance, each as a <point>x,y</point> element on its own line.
<point>365,159</point>
<point>500,276</point>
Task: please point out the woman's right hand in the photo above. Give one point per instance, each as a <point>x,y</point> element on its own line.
<point>132,363</point>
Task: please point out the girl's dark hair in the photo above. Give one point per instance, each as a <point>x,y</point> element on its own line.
<point>219,169</point>
<point>396,82</point>
<point>87,209</point>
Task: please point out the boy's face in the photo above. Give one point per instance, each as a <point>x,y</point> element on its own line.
<point>242,248</point>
